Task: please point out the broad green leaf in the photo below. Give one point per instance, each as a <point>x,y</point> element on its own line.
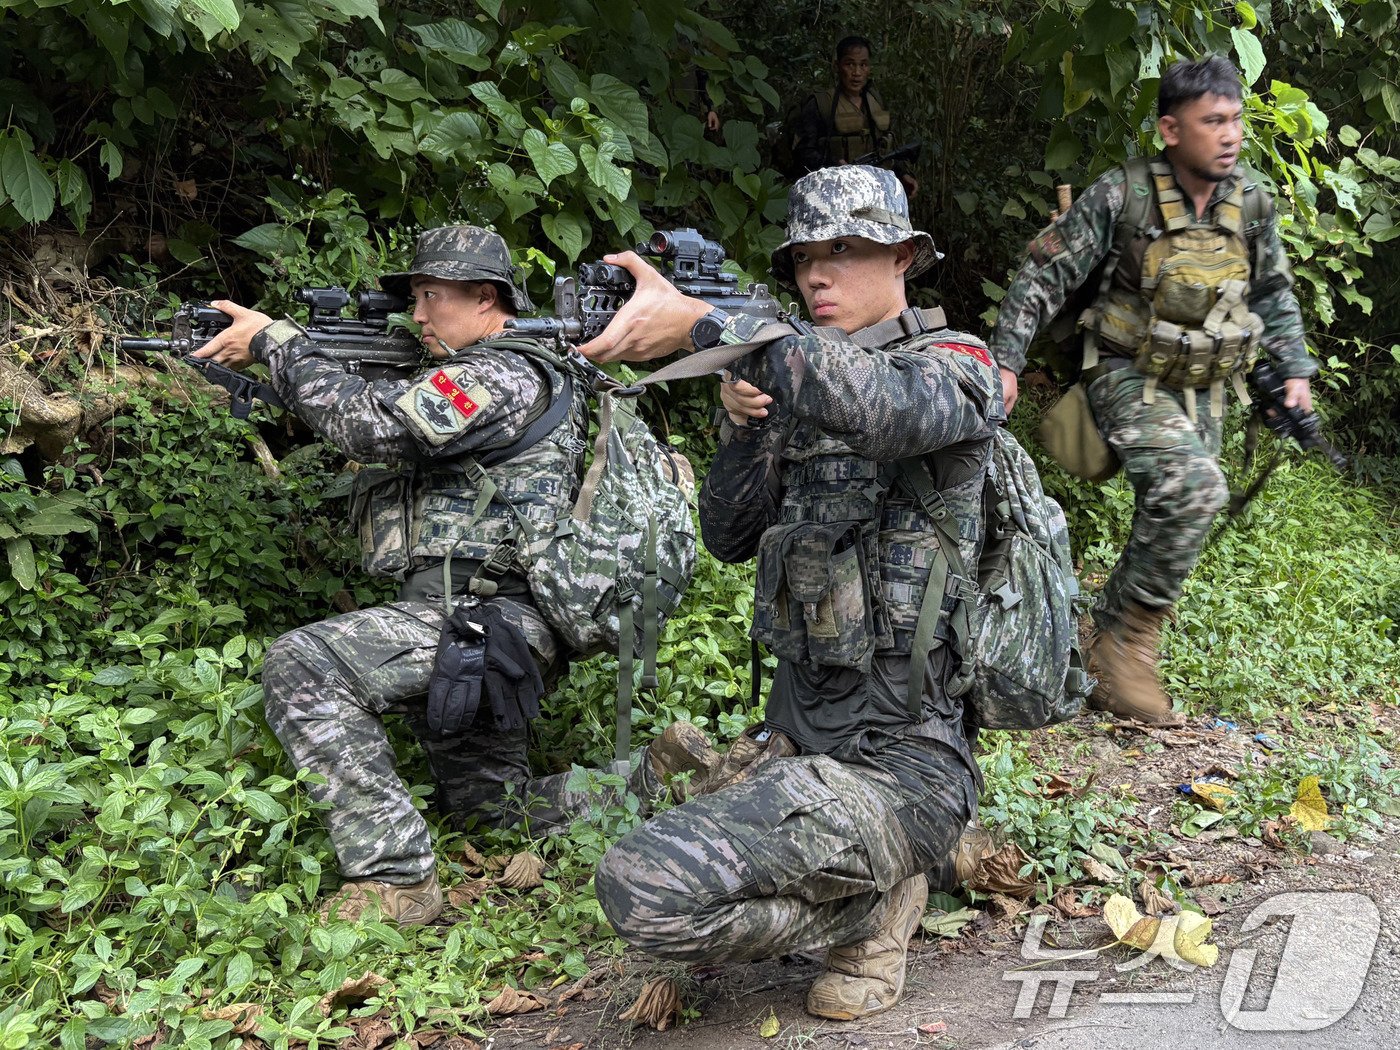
<point>72,183</point>
<point>1349,136</point>
<point>111,157</point>
<point>967,201</point>
<point>1248,18</point>
<point>26,183</point>
<point>457,41</point>
<point>551,159</point>
<point>1063,148</point>
<point>226,14</point>
<point>1105,25</point>
<point>21,555</point>
<point>399,86</point>
<point>500,107</point>
<point>455,132</point>
<point>1251,55</point>
<point>1013,208</point>
<point>271,240</point>
<point>1390,98</point>
<point>491,7</point>
<point>114,676</point>
<point>239,973</point>
<point>619,102</point>
<point>606,175</point>
<point>566,231</point>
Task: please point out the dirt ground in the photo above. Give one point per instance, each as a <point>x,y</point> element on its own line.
<point>963,992</point>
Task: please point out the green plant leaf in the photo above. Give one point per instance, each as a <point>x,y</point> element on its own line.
<point>1063,149</point>
<point>226,14</point>
<point>457,132</point>
<point>606,175</point>
<point>1246,14</point>
<point>620,103</point>
<point>1251,55</point>
<point>566,231</point>
<point>21,555</point>
<point>25,182</point>
<point>459,42</point>
<point>551,159</point>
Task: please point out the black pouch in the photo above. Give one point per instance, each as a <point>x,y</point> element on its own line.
<point>813,598</point>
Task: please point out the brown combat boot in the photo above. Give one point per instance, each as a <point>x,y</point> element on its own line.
<point>975,845</point>
<point>1124,659</point>
<point>682,748</point>
<point>414,905</point>
<point>868,977</point>
<point>756,746</point>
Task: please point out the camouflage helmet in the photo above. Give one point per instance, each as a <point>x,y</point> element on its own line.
<point>851,200</point>
<point>463,253</point>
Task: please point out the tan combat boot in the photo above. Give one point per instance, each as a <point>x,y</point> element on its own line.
<point>1125,659</point>
<point>756,746</point>
<point>415,905</point>
<point>867,977</point>
<point>681,748</point>
<point>975,845</point>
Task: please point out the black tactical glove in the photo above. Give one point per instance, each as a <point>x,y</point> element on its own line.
<point>512,679</point>
<point>454,691</point>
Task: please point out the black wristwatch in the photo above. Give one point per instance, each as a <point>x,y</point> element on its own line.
<point>706,332</point>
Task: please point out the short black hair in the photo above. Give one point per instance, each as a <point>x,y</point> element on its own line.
<point>848,44</point>
<point>1186,81</point>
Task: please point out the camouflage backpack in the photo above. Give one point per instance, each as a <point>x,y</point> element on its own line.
<point>1016,629</point>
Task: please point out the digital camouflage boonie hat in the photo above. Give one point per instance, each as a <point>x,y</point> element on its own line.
<point>463,253</point>
<point>851,200</point>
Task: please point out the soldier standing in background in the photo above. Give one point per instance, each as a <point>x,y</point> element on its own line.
<point>427,521</point>
<point>828,845</point>
<point>840,124</point>
<point>1191,282</point>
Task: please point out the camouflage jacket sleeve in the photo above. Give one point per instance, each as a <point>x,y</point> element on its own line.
<point>739,499</point>
<point>1057,262</point>
<point>885,404</point>
<point>1271,297</point>
<point>477,399</point>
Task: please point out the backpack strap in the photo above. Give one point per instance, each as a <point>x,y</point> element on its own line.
<point>1139,204</point>
<point>943,613</point>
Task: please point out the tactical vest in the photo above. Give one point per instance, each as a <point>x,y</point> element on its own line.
<point>842,576</point>
<point>851,132</point>
<point>1176,302</point>
<point>412,519</point>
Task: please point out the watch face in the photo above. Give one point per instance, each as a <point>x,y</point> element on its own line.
<point>706,332</point>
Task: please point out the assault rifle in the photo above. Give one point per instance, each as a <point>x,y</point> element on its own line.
<point>1302,427</point>
<point>362,344</point>
<point>584,304</point>
<point>898,155</point>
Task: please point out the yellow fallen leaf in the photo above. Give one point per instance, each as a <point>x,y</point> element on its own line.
<point>1310,809</point>
<point>1189,941</point>
<point>1143,934</point>
<point>1216,796</point>
<point>771,1026</point>
<point>1120,913</point>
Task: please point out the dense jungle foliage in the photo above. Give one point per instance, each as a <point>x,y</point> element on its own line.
<point>159,860</point>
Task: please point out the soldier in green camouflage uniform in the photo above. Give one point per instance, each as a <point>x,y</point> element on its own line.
<point>328,685</point>
<point>827,848</point>
<point>1168,450</point>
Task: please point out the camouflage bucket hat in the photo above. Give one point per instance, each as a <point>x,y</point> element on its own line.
<point>463,253</point>
<point>852,200</point>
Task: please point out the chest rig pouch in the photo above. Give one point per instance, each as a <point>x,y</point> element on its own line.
<point>1188,326</point>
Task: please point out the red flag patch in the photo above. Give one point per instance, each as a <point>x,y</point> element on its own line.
<point>971,351</point>
<point>455,394</point>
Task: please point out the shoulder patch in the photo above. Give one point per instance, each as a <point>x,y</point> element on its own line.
<point>443,404</point>
<point>1048,244</point>
<point>979,352</point>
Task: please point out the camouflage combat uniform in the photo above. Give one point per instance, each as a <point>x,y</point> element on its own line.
<point>329,684</point>
<point>1170,460</point>
<point>802,853</point>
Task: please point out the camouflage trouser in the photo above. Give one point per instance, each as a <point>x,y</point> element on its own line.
<point>795,858</point>
<point>327,686</point>
<point>1172,465</point>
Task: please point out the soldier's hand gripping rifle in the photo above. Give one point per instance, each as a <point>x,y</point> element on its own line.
<point>1270,395</point>
<point>909,151</point>
<point>584,304</point>
<point>363,344</point>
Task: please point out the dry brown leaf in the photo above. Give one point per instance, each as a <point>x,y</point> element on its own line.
<point>571,1046</point>
<point>498,862</point>
<point>438,1039</point>
<point>997,873</point>
<point>1056,787</point>
<point>1216,770</point>
<point>150,1042</point>
<point>1270,834</point>
<point>1006,908</point>
<point>1071,907</point>
<point>934,1028</point>
<point>244,1016</point>
<point>1154,901</point>
<point>187,188</point>
<point>1098,870</point>
<point>659,1005</point>
<point>353,992</point>
<point>524,872</point>
<point>468,893</point>
<point>370,1033</point>
<point>472,861</point>
<point>513,1001</point>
